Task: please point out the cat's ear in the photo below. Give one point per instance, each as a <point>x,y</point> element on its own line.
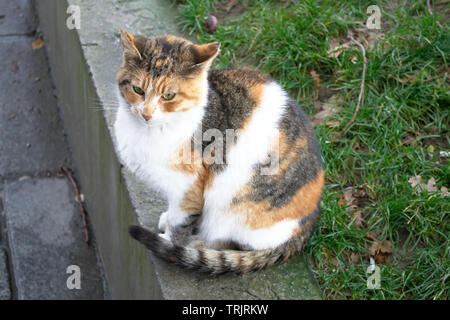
<point>204,54</point>
<point>130,45</point>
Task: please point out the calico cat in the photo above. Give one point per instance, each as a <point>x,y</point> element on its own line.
<point>253,203</point>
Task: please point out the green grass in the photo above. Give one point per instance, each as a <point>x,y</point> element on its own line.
<point>289,39</point>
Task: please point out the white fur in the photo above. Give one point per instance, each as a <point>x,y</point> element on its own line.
<point>252,147</point>
<point>147,147</point>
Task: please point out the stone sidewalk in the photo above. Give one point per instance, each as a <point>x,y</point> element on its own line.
<point>41,232</point>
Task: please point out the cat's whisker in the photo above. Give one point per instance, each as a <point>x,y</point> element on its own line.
<point>104,108</point>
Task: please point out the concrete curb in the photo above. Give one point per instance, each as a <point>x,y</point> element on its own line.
<point>84,63</point>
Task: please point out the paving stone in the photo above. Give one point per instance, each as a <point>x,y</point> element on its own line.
<point>45,237</point>
<point>32,136</point>
<point>5,291</point>
<point>17,17</point>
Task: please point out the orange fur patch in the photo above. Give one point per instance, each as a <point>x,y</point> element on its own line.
<point>193,198</point>
<point>133,97</point>
<point>259,215</point>
<point>256,92</point>
<point>188,94</point>
<point>189,161</point>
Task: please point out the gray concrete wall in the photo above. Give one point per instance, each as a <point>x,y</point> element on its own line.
<point>84,63</point>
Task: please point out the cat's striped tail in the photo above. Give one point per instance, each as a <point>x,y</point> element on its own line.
<point>214,261</point>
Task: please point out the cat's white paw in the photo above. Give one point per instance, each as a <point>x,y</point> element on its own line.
<point>165,236</point>
<point>162,225</point>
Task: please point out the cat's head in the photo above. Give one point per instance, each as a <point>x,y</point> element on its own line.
<point>163,75</point>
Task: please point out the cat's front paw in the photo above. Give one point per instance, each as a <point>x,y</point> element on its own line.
<point>165,235</point>
<point>162,225</point>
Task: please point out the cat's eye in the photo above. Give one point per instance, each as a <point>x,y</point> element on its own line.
<point>168,96</point>
<point>138,90</point>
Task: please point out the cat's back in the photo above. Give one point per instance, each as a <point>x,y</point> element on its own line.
<point>227,81</point>
<point>237,95</point>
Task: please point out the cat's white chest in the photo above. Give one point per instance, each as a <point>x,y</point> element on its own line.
<point>146,150</point>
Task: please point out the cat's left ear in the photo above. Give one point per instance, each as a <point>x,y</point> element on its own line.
<point>204,54</point>
<point>130,45</point>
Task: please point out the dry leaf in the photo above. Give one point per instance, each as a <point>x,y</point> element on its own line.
<point>444,192</point>
<point>411,78</point>
<point>359,220</point>
<point>431,185</point>
<point>359,193</point>
<point>418,185</point>
<point>335,49</point>
<point>386,247</point>
<point>38,43</point>
<point>380,250</point>
<point>332,124</point>
<point>327,112</point>
<point>362,35</point>
<point>328,109</point>
<point>348,199</point>
<point>371,236</point>
<point>354,258</point>
<point>415,181</point>
<point>348,196</point>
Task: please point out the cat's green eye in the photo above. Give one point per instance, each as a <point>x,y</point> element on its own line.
<point>138,90</point>
<point>168,96</point>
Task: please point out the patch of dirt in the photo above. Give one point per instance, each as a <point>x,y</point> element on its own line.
<point>229,10</point>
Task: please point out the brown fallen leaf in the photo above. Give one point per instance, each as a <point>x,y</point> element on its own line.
<point>415,181</point>
<point>418,186</point>
<point>359,220</point>
<point>411,78</point>
<point>327,109</point>
<point>359,193</point>
<point>431,185</point>
<point>363,35</point>
<point>38,43</point>
<point>336,49</point>
<point>380,250</point>
<point>347,198</point>
<point>354,258</point>
<point>444,192</point>
<point>332,124</point>
<point>371,235</point>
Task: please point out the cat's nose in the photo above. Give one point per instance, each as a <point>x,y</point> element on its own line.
<point>146,116</point>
